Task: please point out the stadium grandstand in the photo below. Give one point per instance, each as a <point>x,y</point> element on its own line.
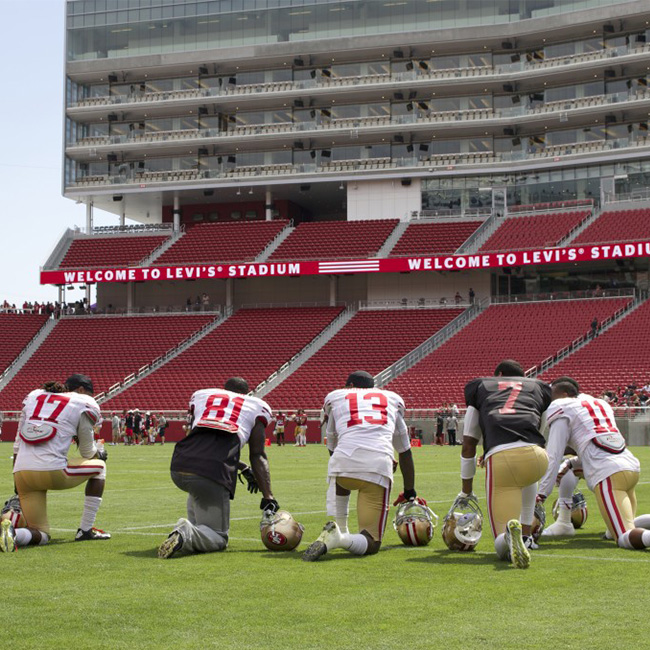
<point>417,189</point>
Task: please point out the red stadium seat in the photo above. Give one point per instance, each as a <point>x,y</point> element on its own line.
<point>110,251</point>
<point>527,332</point>
<point>617,226</point>
<point>434,238</point>
<point>16,331</point>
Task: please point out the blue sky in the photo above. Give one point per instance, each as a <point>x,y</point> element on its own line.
<point>34,214</point>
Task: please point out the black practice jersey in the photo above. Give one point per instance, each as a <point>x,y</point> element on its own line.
<point>510,409</point>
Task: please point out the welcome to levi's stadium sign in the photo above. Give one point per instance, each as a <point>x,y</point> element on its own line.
<point>541,256</point>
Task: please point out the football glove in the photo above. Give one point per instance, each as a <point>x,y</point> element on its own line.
<point>409,495</point>
<point>269,506</point>
<point>101,454</point>
<point>251,483</point>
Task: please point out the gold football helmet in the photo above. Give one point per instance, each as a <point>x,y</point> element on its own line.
<point>463,524</point>
<point>280,531</point>
<point>415,523</point>
<point>579,510</point>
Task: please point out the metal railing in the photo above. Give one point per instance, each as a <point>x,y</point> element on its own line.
<point>163,358</point>
<point>579,342</point>
<point>445,215</point>
<point>297,359</point>
<point>586,294</point>
<point>433,342</point>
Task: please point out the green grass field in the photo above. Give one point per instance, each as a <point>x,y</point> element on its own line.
<point>578,593</point>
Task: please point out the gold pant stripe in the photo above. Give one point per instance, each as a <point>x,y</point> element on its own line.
<point>616,500</point>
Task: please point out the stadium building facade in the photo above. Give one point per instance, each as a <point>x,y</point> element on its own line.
<point>381,168</point>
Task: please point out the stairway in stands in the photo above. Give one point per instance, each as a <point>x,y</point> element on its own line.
<point>252,343</point>
<point>371,341</point>
<point>526,332</point>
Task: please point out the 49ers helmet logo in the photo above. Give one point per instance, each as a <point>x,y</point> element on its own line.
<point>276,538</point>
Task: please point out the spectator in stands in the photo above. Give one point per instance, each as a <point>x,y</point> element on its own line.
<point>458,298</point>
<point>472,296</point>
<point>205,300</point>
<point>594,328</point>
<point>188,304</point>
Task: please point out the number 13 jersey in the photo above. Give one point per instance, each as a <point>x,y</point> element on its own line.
<point>364,426</point>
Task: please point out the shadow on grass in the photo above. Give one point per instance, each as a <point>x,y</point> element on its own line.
<point>147,553</point>
<point>586,541</point>
<point>444,556</point>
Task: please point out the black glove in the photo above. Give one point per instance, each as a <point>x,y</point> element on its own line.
<point>101,454</point>
<point>269,505</point>
<point>409,495</point>
<point>252,485</point>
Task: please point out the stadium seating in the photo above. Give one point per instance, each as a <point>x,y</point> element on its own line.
<point>617,226</point>
<point>322,240</point>
<point>253,343</point>
<point>110,251</point>
<point>222,242</point>
<point>527,332</point>
<point>16,331</point>
<point>106,348</point>
<point>432,238</point>
<point>618,357</point>
<point>518,233</point>
<point>371,341</point>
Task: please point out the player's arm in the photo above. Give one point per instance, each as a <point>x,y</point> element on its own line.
<point>402,445</point>
<point>259,461</point>
<point>471,438</point>
<point>558,438</point>
<point>330,431</point>
<point>86,436</point>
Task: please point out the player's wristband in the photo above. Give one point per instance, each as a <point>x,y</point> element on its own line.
<point>467,467</point>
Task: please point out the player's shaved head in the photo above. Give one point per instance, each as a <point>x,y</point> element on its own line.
<point>509,368</point>
<point>565,379</point>
<point>360,379</point>
<point>565,386</point>
<point>237,385</point>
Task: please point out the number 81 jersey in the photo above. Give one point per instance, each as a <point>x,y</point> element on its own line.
<point>217,408</point>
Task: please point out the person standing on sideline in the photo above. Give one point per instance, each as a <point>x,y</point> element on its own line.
<point>162,425</point>
<point>452,425</point>
<point>205,464</point>
<point>116,428</point>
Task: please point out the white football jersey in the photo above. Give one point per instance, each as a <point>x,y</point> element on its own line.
<point>592,432</point>
<point>217,408</point>
<point>48,423</point>
<point>364,425</point>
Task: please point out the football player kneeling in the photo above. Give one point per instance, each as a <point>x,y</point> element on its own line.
<point>463,524</point>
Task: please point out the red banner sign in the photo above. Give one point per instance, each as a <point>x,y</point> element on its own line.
<point>389,265</point>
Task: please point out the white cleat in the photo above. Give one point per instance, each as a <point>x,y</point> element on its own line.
<point>328,540</point>
<point>519,555</point>
<point>559,529</point>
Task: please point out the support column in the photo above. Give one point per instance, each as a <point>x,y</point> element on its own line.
<point>230,292</point>
<point>130,296</point>
<point>268,206</point>
<point>88,296</point>
<point>89,217</point>
<point>61,294</point>
<point>123,215</point>
<point>333,290</point>
<point>177,213</point>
